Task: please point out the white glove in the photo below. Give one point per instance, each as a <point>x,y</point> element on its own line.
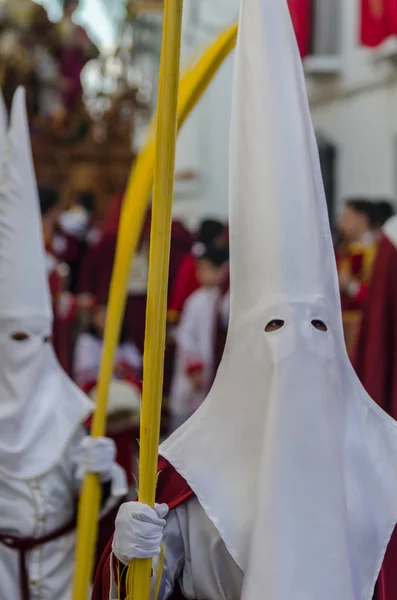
<point>138,531</point>
<point>96,455</point>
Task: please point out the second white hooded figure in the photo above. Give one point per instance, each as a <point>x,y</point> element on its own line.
<point>44,449</point>
<point>292,467</point>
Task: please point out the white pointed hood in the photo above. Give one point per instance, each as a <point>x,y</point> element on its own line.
<point>23,276</point>
<point>3,130</point>
<point>289,457</point>
<point>40,407</point>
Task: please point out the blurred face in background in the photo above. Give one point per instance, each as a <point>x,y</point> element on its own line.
<point>353,224</point>
<point>99,319</point>
<point>70,6</point>
<point>208,274</point>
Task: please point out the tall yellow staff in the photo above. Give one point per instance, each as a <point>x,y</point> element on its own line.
<point>156,308</point>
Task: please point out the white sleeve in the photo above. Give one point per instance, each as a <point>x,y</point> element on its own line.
<point>174,554</point>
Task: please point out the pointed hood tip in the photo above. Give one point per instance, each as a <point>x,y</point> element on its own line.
<point>275,167</point>
<point>19,95</point>
<point>22,257</point>
<point>3,130</point>
<point>18,112</point>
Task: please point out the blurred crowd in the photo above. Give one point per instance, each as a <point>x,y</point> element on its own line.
<point>80,249</point>
<point>46,57</point>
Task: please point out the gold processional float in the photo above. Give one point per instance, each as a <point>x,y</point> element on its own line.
<point>154,168</point>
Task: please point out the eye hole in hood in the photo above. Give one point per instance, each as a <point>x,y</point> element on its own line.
<point>20,336</point>
<point>274,325</point>
<point>320,325</point>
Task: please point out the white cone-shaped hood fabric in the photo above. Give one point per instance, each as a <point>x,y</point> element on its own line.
<point>3,131</point>
<point>40,407</point>
<point>289,457</point>
<point>23,275</point>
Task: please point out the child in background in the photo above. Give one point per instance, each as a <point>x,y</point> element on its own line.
<point>195,336</point>
<point>185,282</point>
<point>355,263</point>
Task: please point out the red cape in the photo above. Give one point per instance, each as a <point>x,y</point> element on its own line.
<point>184,284</point>
<point>173,490</point>
<point>376,365</point>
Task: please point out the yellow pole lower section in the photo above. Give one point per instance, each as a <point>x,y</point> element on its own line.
<point>160,242</point>
<point>193,84</point>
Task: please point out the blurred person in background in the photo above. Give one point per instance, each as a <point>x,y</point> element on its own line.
<point>79,226</point>
<point>375,360</point>
<point>74,50</point>
<point>211,232</point>
<point>123,402</point>
<point>61,243</point>
<point>59,248</point>
<point>195,336</point>
<point>97,268</point>
<point>355,260</point>
<point>88,351</point>
<point>97,264</point>
<point>383,211</point>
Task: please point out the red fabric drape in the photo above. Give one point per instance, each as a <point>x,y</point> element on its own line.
<point>376,365</point>
<point>391,12</point>
<point>377,17</point>
<point>184,284</point>
<point>301,18</point>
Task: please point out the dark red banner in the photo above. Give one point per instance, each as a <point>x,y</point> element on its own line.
<point>301,18</point>
<point>391,12</point>
<point>376,21</point>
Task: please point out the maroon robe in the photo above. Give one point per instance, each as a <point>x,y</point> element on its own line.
<point>63,322</point>
<point>173,490</point>
<point>376,365</point>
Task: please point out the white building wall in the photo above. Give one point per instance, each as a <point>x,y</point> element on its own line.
<point>354,106</point>
<point>357,110</point>
<point>203,141</point>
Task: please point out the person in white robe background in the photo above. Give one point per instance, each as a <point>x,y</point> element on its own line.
<point>292,466</point>
<point>195,336</point>
<point>123,403</point>
<point>44,450</point>
<point>88,351</point>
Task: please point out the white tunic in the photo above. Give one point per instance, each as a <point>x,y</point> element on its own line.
<point>36,508</point>
<point>196,558</point>
<point>195,340</point>
<point>33,509</point>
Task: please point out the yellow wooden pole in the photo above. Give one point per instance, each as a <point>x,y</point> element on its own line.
<point>192,86</point>
<point>160,242</point>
